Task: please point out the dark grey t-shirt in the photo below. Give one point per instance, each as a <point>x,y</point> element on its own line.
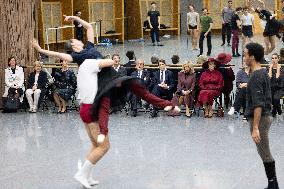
<point>154,18</point>
<point>258,93</point>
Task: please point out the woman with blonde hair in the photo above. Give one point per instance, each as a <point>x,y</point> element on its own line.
<point>185,88</point>
<point>36,86</point>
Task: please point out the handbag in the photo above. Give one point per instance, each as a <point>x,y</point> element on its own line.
<point>13,101</point>
<point>220,111</point>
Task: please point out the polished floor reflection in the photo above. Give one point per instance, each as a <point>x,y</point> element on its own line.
<point>42,150</point>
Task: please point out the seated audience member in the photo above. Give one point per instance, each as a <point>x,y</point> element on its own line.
<point>37,82</point>
<point>185,88</point>
<point>143,74</point>
<point>118,68</point>
<point>211,83</point>
<point>163,84</point>
<point>276,80</point>
<point>116,105</point>
<point>228,76</point>
<point>281,58</point>
<point>175,60</point>
<point>199,62</point>
<point>14,80</point>
<point>241,84</point>
<point>130,65</point>
<point>154,60</point>
<point>65,86</point>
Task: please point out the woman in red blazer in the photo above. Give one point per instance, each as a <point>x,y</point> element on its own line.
<point>210,83</point>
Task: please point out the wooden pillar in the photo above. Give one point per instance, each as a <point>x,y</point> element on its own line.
<point>17,28</point>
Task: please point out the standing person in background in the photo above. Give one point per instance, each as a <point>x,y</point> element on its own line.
<point>206,23</point>
<point>248,27</point>
<point>193,23</point>
<point>79,29</point>
<point>227,14</point>
<point>236,25</point>
<point>258,109</point>
<point>275,74</point>
<point>154,23</point>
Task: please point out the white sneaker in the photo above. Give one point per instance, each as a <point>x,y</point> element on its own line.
<point>231,111</point>
<point>93,182</point>
<point>80,178</point>
<point>176,109</point>
<point>168,108</point>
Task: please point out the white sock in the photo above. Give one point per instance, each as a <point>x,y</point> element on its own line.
<point>86,169</point>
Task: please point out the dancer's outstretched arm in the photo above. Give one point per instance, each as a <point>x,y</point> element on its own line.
<point>86,25</point>
<point>62,56</point>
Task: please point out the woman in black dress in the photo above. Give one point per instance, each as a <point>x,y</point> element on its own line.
<point>276,76</point>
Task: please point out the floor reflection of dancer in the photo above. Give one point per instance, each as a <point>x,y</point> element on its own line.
<point>193,23</point>
<point>258,110</point>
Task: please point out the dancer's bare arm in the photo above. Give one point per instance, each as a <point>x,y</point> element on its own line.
<point>86,25</point>
<point>62,56</point>
<point>106,63</point>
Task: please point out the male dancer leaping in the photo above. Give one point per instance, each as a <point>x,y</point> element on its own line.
<point>102,101</point>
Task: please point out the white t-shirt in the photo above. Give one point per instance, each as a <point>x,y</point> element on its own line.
<point>247,20</point>
<point>192,18</point>
<point>87,80</point>
<point>36,78</point>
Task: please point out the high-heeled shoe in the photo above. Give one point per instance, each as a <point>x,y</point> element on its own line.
<point>210,114</point>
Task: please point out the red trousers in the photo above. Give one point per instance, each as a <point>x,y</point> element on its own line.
<point>140,91</point>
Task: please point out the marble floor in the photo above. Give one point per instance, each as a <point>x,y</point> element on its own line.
<point>41,151</point>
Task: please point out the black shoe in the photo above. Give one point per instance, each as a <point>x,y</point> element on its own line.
<point>228,44</point>
<point>238,55</point>
<point>153,113</point>
<point>133,113</point>
<point>199,55</point>
<point>279,111</point>
<point>234,55</point>
<point>271,175</point>
<point>273,184</point>
<point>208,54</point>
<point>274,112</point>
<point>222,44</point>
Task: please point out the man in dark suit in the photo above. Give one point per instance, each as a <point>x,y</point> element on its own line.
<point>118,92</point>
<point>117,67</point>
<point>130,65</point>
<point>142,74</point>
<point>163,84</point>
